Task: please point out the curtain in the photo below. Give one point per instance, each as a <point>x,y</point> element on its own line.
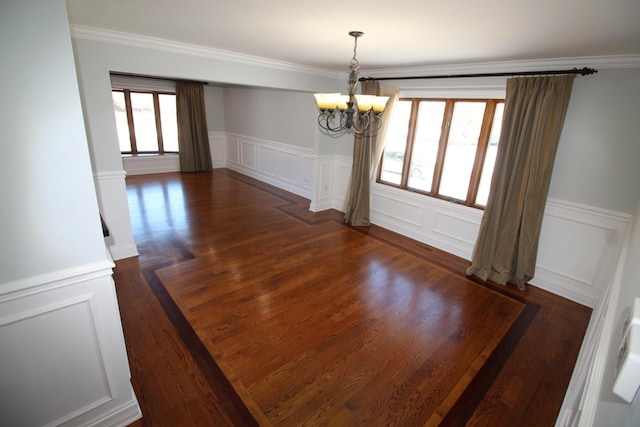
<point>367,150</point>
<point>534,113</point>
<point>193,136</point>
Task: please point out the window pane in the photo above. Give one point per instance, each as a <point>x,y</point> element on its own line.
<point>490,158</point>
<point>425,144</point>
<point>121,120</point>
<point>144,121</point>
<point>169,122</point>
<point>466,124</point>
<point>396,143</point>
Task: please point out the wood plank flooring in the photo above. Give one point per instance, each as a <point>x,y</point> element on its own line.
<point>245,308</point>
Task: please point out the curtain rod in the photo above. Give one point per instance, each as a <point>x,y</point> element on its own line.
<point>582,71</point>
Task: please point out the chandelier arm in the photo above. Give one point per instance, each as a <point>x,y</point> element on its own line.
<point>362,123</point>
<point>326,118</point>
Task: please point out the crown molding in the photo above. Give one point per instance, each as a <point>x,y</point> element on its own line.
<point>598,62</point>
<point>135,40</point>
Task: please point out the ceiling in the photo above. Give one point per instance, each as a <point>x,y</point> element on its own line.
<point>400,33</point>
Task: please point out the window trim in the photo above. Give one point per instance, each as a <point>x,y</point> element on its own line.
<point>156,109</point>
<point>480,155</point>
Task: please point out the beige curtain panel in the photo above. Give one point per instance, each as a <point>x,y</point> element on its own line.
<point>534,113</point>
<point>367,149</point>
<point>193,136</point>
<point>359,194</point>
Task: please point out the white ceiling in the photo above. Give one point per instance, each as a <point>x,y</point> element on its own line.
<point>398,33</point>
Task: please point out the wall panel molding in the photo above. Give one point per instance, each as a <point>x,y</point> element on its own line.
<point>579,249</point>
<point>285,166</point>
<point>61,332</point>
<point>577,254</point>
<point>141,165</point>
<point>322,192</point>
<point>444,225</point>
<point>218,147</point>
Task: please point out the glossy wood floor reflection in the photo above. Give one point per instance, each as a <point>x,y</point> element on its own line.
<point>244,308</point>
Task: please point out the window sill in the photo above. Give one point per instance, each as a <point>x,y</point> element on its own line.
<point>128,156</point>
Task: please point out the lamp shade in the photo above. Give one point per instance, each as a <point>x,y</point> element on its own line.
<point>342,102</point>
<point>365,102</point>
<point>327,101</point>
<point>380,103</point>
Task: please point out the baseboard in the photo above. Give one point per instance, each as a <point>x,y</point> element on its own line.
<point>121,416</point>
<point>123,251</point>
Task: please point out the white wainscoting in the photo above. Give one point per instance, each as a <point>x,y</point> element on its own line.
<point>579,250</point>
<point>218,147</point>
<point>445,225</point>
<point>577,254</point>
<point>63,358</point>
<point>112,198</point>
<point>141,165</point>
<point>284,166</point>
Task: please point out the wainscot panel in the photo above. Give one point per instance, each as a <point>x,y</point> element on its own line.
<point>233,150</point>
<point>114,208</point>
<point>63,348</point>
<point>577,254</point>
<point>322,192</point>
<point>278,164</point>
<point>578,251</point>
<point>140,165</point>
<point>218,147</point>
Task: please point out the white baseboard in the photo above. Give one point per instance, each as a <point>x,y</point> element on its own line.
<point>121,416</point>
<point>119,252</point>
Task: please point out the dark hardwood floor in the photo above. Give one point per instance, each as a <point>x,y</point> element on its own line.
<point>245,308</point>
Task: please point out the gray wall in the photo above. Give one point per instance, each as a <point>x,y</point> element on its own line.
<point>598,158</point>
<point>275,115</point>
<point>49,213</point>
<point>214,103</point>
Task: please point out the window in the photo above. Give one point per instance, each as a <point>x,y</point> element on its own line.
<point>146,122</point>
<point>444,148</point>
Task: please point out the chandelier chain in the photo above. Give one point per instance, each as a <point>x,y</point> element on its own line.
<point>354,61</point>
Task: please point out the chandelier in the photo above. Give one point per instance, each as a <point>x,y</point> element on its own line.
<point>358,113</point>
